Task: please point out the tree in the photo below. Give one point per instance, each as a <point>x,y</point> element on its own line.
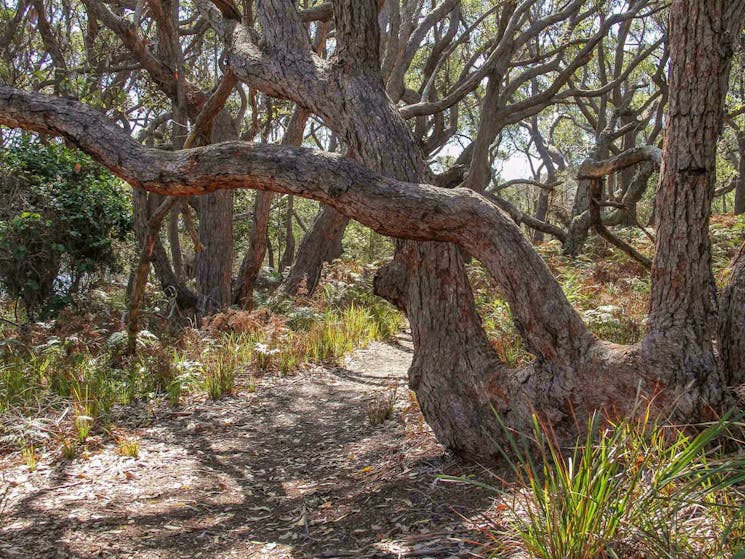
<point>456,375</point>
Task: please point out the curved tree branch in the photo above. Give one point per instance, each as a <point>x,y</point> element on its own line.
<point>392,207</point>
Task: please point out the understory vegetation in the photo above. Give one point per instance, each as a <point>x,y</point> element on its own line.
<point>632,488</point>
<point>61,381</point>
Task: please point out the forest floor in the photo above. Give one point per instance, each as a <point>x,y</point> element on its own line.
<point>290,468</point>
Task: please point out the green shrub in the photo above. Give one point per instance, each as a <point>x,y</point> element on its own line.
<point>61,216</point>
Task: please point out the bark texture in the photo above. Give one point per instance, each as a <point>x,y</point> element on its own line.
<point>251,264</point>
<point>732,324</point>
<point>681,325</point>
<point>322,243</point>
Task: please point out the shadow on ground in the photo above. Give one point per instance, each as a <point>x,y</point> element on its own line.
<point>294,470</point>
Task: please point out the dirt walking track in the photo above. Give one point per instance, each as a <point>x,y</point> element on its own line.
<point>292,470</point>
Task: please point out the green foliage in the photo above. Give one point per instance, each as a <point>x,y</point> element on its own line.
<point>219,374</point>
<point>630,488</point>
<point>61,218</point>
<point>364,244</point>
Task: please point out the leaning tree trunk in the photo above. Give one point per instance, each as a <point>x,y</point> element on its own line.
<point>322,243</point>
<point>251,264</point>
<point>682,324</point>
<point>732,324</point>
<point>456,374</point>
<point>454,361</point>
<point>143,207</point>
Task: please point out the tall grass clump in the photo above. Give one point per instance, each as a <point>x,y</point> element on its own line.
<point>340,331</point>
<point>24,373</point>
<point>630,488</point>
<point>220,371</point>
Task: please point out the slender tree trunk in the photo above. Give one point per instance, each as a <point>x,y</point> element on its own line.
<point>175,242</point>
<point>270,252</point>
<point>251,264</point>
<point>254,258</point>
<point>740,188</point>
<point>143,207</point>
<point>541,211</point>
<point>289,253</point>
<point>139,279</point>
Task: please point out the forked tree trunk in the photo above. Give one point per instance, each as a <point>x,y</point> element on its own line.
<point>454,361</point>
<point>456,374</point>
<point>143,207</point>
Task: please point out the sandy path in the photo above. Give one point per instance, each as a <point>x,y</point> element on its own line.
<point>294,469</point>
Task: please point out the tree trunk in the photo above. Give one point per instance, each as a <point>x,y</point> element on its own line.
<point>579,227</point>
<point>143,207</point>
<point>732,324</point>
<point>251,265</point>
<point>681,324</point>
<point>270,252</point>
<point>139,279</point>
<point>541,211</point>
<point>740,188</point>
<point>175,242</point>
<point>215,262</point>
<point>457,375</point>
<point>322,243</point>
<point>289,253</point>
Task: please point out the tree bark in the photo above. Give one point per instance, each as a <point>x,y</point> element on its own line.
<point>740,188</point>
<point>457,376</point>
<point>322,243</point>
<point>215,262</point>
<point>251,264</point>
<point>143,207</point>
<point>137,290</point>
<point>681,324</point>
<point>289,253</point>
<point>732,324</point>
